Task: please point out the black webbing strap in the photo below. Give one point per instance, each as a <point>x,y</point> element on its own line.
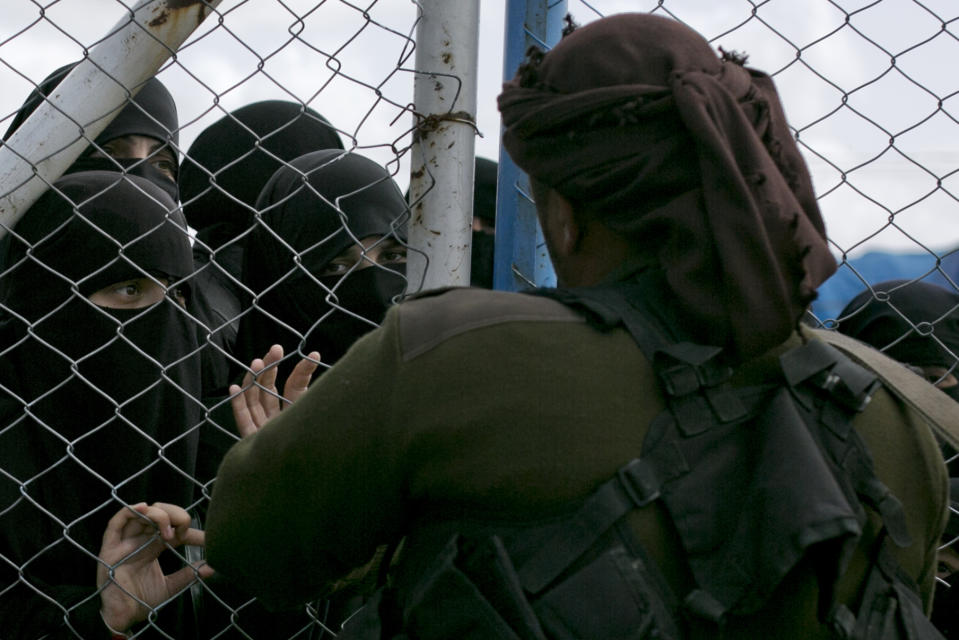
<point>933,405</point>
<point>821,364</point>
<point>607,307</point>
<point>890,606</point>
<point>684,368</point>
<point>702,428</point>
<point>850,387</point>
<point>635,484</point>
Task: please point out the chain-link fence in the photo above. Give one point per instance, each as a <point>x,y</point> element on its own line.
<point>868,93</point>
<point>292,144</point>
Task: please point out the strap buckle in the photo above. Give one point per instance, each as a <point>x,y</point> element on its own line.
<point>638,479</point>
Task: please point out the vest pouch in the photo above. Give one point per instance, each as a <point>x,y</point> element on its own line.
<point>890,609</point>
<point>614,596</point>
<point>471,592</point>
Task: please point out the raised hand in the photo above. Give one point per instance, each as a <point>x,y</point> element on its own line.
<point>257,400</point>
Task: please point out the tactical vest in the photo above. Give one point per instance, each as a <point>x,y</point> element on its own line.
<point>574,579</point>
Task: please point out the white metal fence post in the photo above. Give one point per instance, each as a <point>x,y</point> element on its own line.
<point>89,97</point>
<point>441,178</point>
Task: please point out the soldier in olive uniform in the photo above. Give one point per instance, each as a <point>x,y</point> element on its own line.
<point>657,448</point>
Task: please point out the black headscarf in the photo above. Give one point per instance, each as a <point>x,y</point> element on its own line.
<point>635,119</point>
<point>222,174</point>
<point>907,320</point>
<point>304,224</point>
<point>228,164</point>
<point>98,406</point>
<point>151,112</point>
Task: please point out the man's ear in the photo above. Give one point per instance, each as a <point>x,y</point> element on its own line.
<point>561,230</point>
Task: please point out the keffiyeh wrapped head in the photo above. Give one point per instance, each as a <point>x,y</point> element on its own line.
<point>637,122</point>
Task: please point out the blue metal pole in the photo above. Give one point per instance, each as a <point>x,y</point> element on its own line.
<point>520,258</point>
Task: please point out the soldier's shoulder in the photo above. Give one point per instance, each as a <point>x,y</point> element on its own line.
<point>939,411</point>
<point>429,319</point>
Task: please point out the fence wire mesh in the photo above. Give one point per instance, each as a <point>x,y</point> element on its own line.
<point>111,399</point>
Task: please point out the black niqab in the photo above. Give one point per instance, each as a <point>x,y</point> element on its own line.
<point>484,208</point>
<point>304,224</point>
<point>151,112</point>
<point>907,321</point>
<point>230,161</point>
<point>222,174</point>
<point>97,406</point>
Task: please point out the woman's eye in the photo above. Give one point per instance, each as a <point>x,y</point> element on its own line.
<point>165,166</point>
<point>394,255</point>
<point>130,289</point>
<point>334,268</point>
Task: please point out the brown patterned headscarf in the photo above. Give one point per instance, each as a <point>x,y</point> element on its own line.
<point>635,120</point>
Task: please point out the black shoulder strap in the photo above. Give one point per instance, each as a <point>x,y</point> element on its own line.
<point>939,411</point>
<point>723,460</point>
<point>694,377</point>
<point>625,303</point>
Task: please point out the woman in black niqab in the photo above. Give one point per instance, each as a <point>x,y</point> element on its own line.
<point>312,211</point>
<point>223,172</point>
<point>98,406</point>
<point>151,113</point>
<point>916,323</point>
<point>228,164</point>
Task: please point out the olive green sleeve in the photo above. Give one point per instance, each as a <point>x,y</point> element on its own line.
<point>307,498</point>
<point>939,483</point>
<point>909,463</point>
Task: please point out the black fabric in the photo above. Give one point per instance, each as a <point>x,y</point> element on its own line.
<point>222,175</point>
<point>890,606</point>
<point>471,592</point>
<point>952,527</point>
<point>299,232</point>
<point>151,112</point>
<point>217,308</point>
<point>217,303</point>
<point>131,166</point>
<point>481,259</point>
<point>484,208</point>
<point>945,608</point>
<point>904,319</point>
<point>83,244</point>
<point>745,444</point>
<point>230,161</point>
<point>99,405</point>
<point>484,190</point>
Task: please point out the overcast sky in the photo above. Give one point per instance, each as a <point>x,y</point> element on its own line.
<point>330,56</point>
